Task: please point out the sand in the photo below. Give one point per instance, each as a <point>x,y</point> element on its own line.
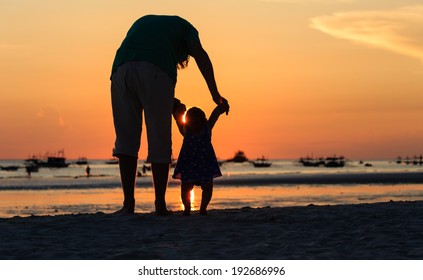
<point>384,231</point>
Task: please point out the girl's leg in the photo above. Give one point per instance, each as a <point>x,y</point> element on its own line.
<point>186,189</point>
<point>206,196</point>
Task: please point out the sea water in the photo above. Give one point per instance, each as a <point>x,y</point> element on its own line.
<point>53,191</point>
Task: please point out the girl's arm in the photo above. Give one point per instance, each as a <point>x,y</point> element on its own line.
<point>215,116</point>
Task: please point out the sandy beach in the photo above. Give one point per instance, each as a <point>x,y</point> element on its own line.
<point>385,231</point>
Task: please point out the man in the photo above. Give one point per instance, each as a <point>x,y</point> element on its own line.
<point>143,78</point>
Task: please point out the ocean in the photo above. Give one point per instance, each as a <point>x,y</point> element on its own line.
<point>56,191</point>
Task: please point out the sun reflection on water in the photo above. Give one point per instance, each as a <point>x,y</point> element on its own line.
<point>192,200</point>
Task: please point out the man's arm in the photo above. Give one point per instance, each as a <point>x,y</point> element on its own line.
<point>206,68</point>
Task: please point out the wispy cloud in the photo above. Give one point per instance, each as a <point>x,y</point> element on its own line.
<point>399,30</point>
<point>49,117</point>
<point>309,1</point>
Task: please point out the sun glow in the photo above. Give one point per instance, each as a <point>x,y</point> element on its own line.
<point>359,96</point>
<point>192,197</point>
<point>184,118</point>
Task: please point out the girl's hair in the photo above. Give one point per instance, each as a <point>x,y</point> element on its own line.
<point>195,119</point>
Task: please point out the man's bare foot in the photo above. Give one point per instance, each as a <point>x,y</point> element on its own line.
<point>124,211</point>
<point>163,212</point>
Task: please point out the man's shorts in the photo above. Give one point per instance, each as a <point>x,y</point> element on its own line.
<point>139,86</point>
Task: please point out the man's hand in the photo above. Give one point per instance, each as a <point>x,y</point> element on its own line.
<point>223,105</point>
<point>178,107</point>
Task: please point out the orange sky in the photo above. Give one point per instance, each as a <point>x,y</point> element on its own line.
<point>302,77</point>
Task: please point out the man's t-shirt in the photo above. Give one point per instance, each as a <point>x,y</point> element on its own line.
<point>161,40</point>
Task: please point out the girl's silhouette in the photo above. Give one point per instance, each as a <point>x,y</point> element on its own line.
<point>197,163</point>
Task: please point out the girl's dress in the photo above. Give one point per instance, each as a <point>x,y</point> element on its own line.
<point>197,161</point>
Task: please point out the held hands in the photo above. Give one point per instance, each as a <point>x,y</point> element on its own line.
<point>178,108</point>
<point>223,105</point>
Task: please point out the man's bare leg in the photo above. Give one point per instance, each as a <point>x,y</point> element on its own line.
<point>128,170</point>
<point>160,176</point>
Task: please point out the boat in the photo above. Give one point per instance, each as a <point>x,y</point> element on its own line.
<point>262,162</point>
<point>9,168</point>
<point>112,161</point>
<point>324,162</point>
<point>312,162</point>
<point>416,160</point>
<point>53,160</point>
<point>81,161</point>
<point>335,161</point>
<point>239,157</point>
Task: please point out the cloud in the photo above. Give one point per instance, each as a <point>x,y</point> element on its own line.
<point>309,1</point>
<point>50,114</point>
<point>398,30</point>
<point>49,120</point>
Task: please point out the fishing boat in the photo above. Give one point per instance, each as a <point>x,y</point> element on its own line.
<point>330,162</point>
<point>262,162</point>
<point>335,161</point>
<point>56,160</point>
<point>312,162</point>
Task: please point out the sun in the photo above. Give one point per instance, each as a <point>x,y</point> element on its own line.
<point>192,196</point>
<point>184,118</point>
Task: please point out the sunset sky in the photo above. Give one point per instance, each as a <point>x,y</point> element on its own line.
<point>303,77</point>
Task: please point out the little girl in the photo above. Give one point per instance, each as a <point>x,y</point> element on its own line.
<point>197,163</point>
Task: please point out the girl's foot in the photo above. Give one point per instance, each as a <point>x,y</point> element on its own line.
<point>186,213</point>
<point>203,212</point>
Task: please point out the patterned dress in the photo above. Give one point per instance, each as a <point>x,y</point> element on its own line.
<point>197,161</point>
